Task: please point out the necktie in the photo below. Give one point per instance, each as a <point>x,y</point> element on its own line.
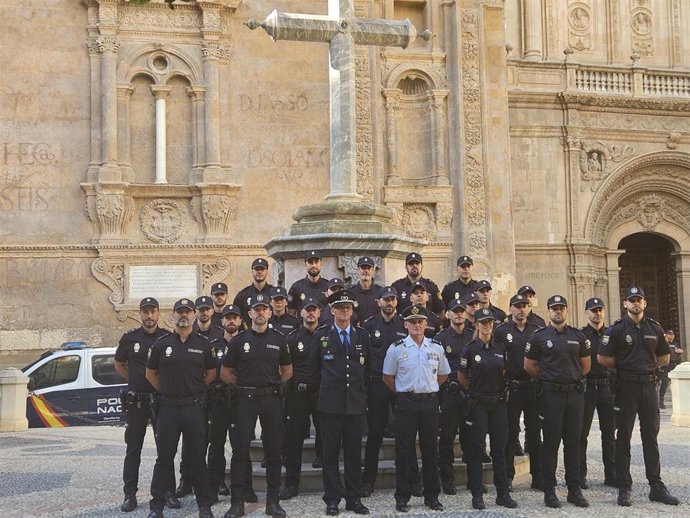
<point>346,341</point>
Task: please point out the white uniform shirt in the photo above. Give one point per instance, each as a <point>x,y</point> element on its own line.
<point>416,369</point>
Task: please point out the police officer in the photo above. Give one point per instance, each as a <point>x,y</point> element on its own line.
<point>414,267</point>
<point>180,366</point>
<point>384,329</point>
<point>463,285</point>
<point>414,368</point>
<point>281,320</point>
<point>419,296</point>
<point>675,358</point>
<point>558,357</point>
<point>204,319</point>
<point>339,360</point>
<point>258,361</point>
<point>635,346</point>
<point>301,399</point>
<point>484,293</point>
<point>532,317</point>
<point>219,294</point>
<point>313,285</point>
<point>481,373</point>
<point>259,285</point>
<point>598,396</point>
<point>513,336</point>
<point>220,399</point>
<point>472,304</point>
<point>366,292</point>
<point>453,339</point>
<point>130,362</point>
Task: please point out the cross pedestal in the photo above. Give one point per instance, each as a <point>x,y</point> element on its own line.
<point>342,225</point>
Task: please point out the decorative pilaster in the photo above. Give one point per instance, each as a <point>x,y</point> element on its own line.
<point>392,96</point>
<point>532,30</point>
<point>124,149</point>
<point>438,101</point>
<point>197,95</point>
<point>108,46</point>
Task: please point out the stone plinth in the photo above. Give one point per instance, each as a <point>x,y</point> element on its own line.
<point>13,394</point>
<point>680,393</point>
<point>340,231</point>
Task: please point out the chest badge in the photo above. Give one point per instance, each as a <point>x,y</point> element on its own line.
<point>300,346</point>
<point>628,339</point>
<point>448,349</point>
<point>136,347</point>
<point>377,333</point>
<point>249,300</point>
<point>219,353</point>
<point>404,355</point>
<point>168,351</point>
<point>549,344</point>
<point>361,360</point>
<point>246,347</point>
<point>457,295</point>
<point>477,358</point>
<point>302,296</point>
<point>403,295</point>
<point>509,337</point>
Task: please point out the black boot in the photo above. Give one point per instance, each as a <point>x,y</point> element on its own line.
<point>577,498</point>
<point>185,488</point>
<point>236,510</point>
<point>171,501</point>
<point>505,500</point>
<point>130,503</point>
<point>551,500</point>
<point>273,509</point>
<point>659,493</point>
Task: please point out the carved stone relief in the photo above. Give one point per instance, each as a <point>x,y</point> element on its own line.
<point>641,25</point>
<point>365,152</point>
<point>348,263</point>
<point>579,26</point>
<point>113,276</point>
<point>425,212</point>
<point>650,210</point>
<point>419,221</point>
<point>598,159</point>
<point>214,272</point>
<point>163,221</point>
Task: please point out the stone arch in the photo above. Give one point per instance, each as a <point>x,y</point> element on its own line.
<point>647,194</point>
<point>139,60</point>
<point>402,71</point>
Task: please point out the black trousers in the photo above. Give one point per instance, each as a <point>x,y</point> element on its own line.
<point>491,418</point>
<point>298,407</point>
<point>190,422</point>
<point>601,398</point>
<point>561,415</point>
<point>337,430</point>
<point>412,417</point>
<point>524,401</point>
<point>218,432</point>
<point>138,416</point>
<point>664,381</point>
<point>451,422</point>
<point>637,399</point>
<point>246,409</point>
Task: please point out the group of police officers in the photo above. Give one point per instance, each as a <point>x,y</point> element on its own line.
<point>440,363</point>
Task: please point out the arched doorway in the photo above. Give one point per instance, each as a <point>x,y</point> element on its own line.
<point>648,263</point>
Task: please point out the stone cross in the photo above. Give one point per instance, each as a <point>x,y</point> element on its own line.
<point>342,31</point>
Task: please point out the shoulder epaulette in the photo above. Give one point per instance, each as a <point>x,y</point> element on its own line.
<point>370,318</point>
<point>294,331</point>
<point>652,320</point>
<point>437,342</point>
<point>616,322</point>
<point>132,330</point>
<point>540,329</point>
<point>502,324</point>
<point>204,337</point>
<point>163,336</point>
<point>399,342</point>
<point>324,326</point>
<point>275,330</point>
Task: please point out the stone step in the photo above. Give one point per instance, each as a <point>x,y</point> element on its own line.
<point>311,481</point>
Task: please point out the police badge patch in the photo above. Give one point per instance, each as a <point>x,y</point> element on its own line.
<point>448,349</point>
<point>588,344</point>
<point>361,360</point>
<point>477,358</point>
<point>136,347</point>
<point>246,347</point>
<point>509,337</point>
<point>377,333</point>
<point>549,344</point>
<point>628,339</point>
<point>168,351</point>
<point>300,346</point>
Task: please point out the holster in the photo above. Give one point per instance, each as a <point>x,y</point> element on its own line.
<point>155,402</point>
<point>582,385</point>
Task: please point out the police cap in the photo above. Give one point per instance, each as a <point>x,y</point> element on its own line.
<point>260,262</point>
<point>312,254</point>
<point>231,309</point>
<point>219,287</point>
<point>518,299</point>
<point>594,303</point>
<point>365,261</point>
<point>203,302</point>
<point>336,283</point>
<point>556,300</point>
<point>148,302</point>
<point>470,298</point>
<point>634,292</point>
<point>388,292</point>
<point>310,302</point>
<point>259,299</point>
<point>524,290</point>
<point>456,304</point>
<point>278,292</point>
<point>341,297</point>
<point>184,304</point>
<point>484,314</point>
<point>413,258</point>
<point>465,259</point>
<point>417,285</point>
<point>415,313</point>
<point>483,285</point>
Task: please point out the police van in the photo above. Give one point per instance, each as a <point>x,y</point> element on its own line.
<point>74,386</point>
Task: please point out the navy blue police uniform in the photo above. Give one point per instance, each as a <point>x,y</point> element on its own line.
<point>181,367</point>
<point>405,286</point>
<point>459,289</point>
<point>599,397</point>
<point>219,287</point>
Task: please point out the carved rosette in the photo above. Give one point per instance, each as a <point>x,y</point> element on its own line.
<point>217,271</point>
<point>114,212</point>
<point>473,165</point>
<point>419,221</point>
<point>113,276</point>
<point>163,221</point>
<point>364,138</point>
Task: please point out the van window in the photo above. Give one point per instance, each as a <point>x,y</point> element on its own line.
<point>57,371</point>
<point>103,370</point>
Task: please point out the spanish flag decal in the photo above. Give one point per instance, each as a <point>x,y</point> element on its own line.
<point>46,413</point>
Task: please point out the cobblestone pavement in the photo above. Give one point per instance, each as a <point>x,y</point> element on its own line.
<point>76,472</point>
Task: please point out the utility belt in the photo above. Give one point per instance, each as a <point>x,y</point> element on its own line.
<point>412,396</point>
<point>598,382</point>
<point>182,401</point>
<point>130,397</point>
<point>518,385</point>
<point>220,392</point>
<point>251,392</point>
<point>306,387</point>
<point>487,398</point>
<point>637,378</point>
<point>580,386</point>
<point>452,387</point>
<point>374,378</point>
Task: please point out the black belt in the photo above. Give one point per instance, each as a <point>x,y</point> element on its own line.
<point>180,401</point>
<point>598,382</point>
<point>375,378</point>
<point>487,398</point>
<point>257,391</point>
<point>559,387</point>
<point>519,384</point>
<point>416,397</point>
<point>638,378</point>
<point>306,387</point>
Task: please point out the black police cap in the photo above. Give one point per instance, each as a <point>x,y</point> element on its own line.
<point>312,254</point>
<point>484,314</point>
<point>148,302</point>
<point>259,262</point>
<point>465,259</point>
<point>365,261</point>
<point>634,292</point>
<point>184,304</point>
<point>388,292</point>
<point>203,302</point>
<point>594,303</point>
<point>341,297</point>
<point>518,299</point>
<point>526,289</point>
<point>413,257</point>
<point>483,285</point>
<point>277,292</point>
<point>310,302</point>
<point>219,287</point>
<point>231,309</point>
<point>335,282</point>
<point>456,303</point>
<point>556,300</point>
<point>415,313</point>
<point>259,299</point>
<point>469,298</point>
<point>419,284</point>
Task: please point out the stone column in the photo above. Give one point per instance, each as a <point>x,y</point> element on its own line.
<point>109,46</point>
<point>212,105</point>
<point>95,57</point>
<point>392,96</point>
<point>160,93</point>
<point>13,393</point>
<point>683,288</point>
<point>124,149</point>
<point>532,30</point>
<point>197,95</point>
<point>438,102</point>
<point>680,394</point>
<point>613,297</point>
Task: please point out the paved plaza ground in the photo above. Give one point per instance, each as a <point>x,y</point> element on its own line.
<point>76,472</point>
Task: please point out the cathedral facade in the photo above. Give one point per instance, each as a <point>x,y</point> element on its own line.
<point>157,150</point>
